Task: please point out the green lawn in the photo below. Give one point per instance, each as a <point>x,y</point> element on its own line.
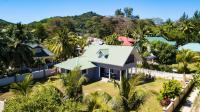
<point>151,89</point>
<point>101,86</point>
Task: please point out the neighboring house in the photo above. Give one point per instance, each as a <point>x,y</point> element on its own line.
<point>126,41</point>
<point>40,51</point>
<point>161,39</point>
<point>103,61</point>
<point>195,47</point>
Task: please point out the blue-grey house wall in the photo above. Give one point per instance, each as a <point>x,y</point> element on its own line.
<point>93,74</point>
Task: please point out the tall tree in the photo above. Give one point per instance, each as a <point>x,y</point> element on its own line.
<point>128,12</point>
<point>187,27</point>
<point>164,52</point>
<point>41,33</point>
<point>20,53</point>
<point>184,17</point>
<point>62,45</point>
<point>185,57</point>
<point>119,12</point>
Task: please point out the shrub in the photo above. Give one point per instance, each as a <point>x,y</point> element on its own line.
<point>196,79</point>
<point>171,89</point>
<point>145,78</point>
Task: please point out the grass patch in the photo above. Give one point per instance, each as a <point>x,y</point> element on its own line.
<point>101,86</point>
<point>151,89</point>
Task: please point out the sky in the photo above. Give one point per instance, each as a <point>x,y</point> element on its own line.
<point>27,11</point>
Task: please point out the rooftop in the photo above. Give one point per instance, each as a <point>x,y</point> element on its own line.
<point>117,55</point>
<point>191,46</point>
<point>71,64</point>
<point>162,39</point>
<point>105,54</point>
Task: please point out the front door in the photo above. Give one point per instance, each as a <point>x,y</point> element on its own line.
<point>102,71</point>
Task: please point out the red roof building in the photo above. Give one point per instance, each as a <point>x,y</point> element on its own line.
<point>126,41</point>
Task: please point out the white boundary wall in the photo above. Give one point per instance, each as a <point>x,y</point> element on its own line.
<point>161,74</point>
<point>17,78</point>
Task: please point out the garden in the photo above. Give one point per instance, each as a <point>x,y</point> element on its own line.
<point>146,95</point>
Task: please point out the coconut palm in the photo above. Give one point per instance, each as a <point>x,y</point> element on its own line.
<point>185,57</point>
<point>187,27</point>
<point>62,45</point>
<point>81,43</point>
<point>18,53</point>
<point>73,82</point>
<point>128,93</point>
<point>24,87</point>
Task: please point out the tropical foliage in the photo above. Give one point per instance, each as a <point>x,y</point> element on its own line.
<point>185,57</point>
<point>164,52</point>
<point>23,88</point>
<point>171,89</point>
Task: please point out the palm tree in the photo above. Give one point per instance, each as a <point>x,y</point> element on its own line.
<point>187,27</point>
<point>62,44</point>
<point>128,93</point>
<point>73,82</point>
<point>24,87</point>
<point>17,52</point>
<point>98,101</point>
<point>81,43</point>
<point>185,57</point>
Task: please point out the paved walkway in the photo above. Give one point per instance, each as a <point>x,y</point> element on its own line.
<point>187,106</point>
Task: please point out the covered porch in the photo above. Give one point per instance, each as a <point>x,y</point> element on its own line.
<point>115,72</point>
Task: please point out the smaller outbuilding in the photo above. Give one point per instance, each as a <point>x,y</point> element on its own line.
<point>40,51</point>
<point>161,39</point>
<point>195,47</point>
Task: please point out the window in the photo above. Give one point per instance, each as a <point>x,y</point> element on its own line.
<point>84,71</point>
<point>103,53</point>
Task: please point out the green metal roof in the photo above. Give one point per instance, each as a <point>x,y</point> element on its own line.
<point>191,46</point>
<point>71,64</point>
<point>162,39</point>
<point>117,55</point>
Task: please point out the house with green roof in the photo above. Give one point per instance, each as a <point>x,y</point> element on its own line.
<point>195,47</point>
<point>103,61</point>
<point>161,39</point>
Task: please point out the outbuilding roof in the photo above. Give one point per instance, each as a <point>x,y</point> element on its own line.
<point>161,39</point>
<point>191,46</point>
